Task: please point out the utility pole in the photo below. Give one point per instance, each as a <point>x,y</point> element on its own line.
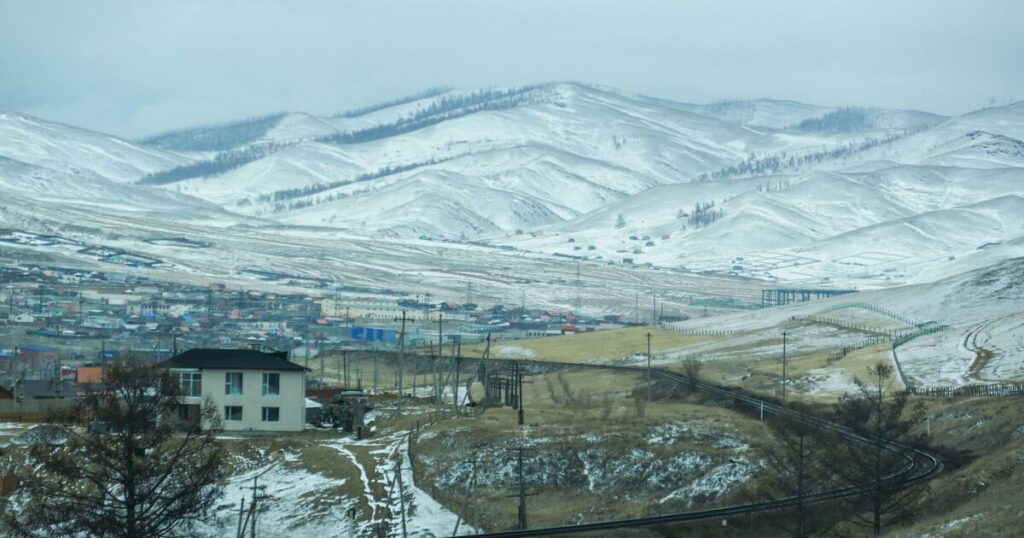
<point>519,391</point>
<point>648,367</point>
<point>578,303</point>
<point>401,361</point>
<point>636,306</point>
<point>250,518</point>
<point>482,371</point>
<point>522,494</point>
<point>455,383</point>
<point>344,365</point>
<point>783,366</point>
<point>305,344</point>
<point>440,340</point>
<point>320,353</point>
<point>470,495</point>
<point>654,309</point>
<point>522,488</point>
<point>209,302</point>
<point>376,371</point>
<point>241,516</point>
<point>401,490</point>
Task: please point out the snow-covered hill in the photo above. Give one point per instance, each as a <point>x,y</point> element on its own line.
<point>80,152</point>
<point>862,196</point>
<point>782,114</point>
<point>533,156</point>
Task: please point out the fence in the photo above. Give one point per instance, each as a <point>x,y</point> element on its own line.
<point>846,350</point>
<point>890,333</point>
<point>906,338</point>
<point>967,391</point>
<point>874,308</point>
<point>699,332</point>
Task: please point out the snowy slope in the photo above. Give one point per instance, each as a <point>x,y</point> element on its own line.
<point>815,216</point>
<point>1006,121</point>
<point>979,149</point>
<point>982,307</point>
<point>568,148</point>
<point>944,232</point>
<point>78,151</point>
<point>580,170</point>
<point>783,114</point>
<point>772,113</point>
<point>31,192</point>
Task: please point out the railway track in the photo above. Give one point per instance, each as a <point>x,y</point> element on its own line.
<point>920,465</point>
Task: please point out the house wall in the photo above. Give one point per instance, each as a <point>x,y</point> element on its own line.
<point>291,400</point>
<point>90,374</point>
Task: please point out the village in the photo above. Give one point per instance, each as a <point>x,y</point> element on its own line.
<point>60,326</point>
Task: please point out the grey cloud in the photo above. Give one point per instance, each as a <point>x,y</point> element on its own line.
<point>134,68</point>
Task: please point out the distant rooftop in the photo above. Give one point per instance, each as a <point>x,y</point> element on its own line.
<point>41,388</point>
<point>231,359</point>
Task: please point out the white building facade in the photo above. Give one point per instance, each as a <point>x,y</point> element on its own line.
<point>253,391</point>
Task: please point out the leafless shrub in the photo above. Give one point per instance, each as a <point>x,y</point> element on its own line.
<point>691,369</point>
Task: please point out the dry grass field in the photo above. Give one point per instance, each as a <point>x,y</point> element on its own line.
<point>595,346</point>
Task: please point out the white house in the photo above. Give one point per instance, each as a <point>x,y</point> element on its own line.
<point>253,391</point>
<point>23,318</point>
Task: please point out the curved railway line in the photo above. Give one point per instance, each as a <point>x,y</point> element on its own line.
<point>920,466</point>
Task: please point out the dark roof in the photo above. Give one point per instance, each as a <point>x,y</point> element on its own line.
<point>232,359</point>
<point>41,388</point>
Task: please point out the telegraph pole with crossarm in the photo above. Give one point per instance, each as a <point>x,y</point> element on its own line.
<point>401,361</point>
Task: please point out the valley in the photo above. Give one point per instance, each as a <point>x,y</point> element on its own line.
<point>589,223</point>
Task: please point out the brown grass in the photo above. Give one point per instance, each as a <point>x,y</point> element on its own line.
<point>594,346</point>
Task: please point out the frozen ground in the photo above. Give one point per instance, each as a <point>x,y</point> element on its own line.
<point>984,308</point>
<point>311,490</point>
<point>766,343</point>
<point>319,258</point>
<point>299,502</point>
<point>988,352</point>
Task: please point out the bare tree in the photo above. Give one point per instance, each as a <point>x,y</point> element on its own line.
<point>691,369</point>
<point>134,470</point>
<point>879,413</point>
<point>795,465</point>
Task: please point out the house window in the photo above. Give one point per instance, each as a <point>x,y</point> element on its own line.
<point>233,412</point>
<point>189,414</point>
<point>271,384</point>
<point>271,414</point>
<point>233,383</point>
<point>191,383</point>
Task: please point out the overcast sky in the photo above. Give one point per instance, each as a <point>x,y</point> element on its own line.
<point>135,68</point>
